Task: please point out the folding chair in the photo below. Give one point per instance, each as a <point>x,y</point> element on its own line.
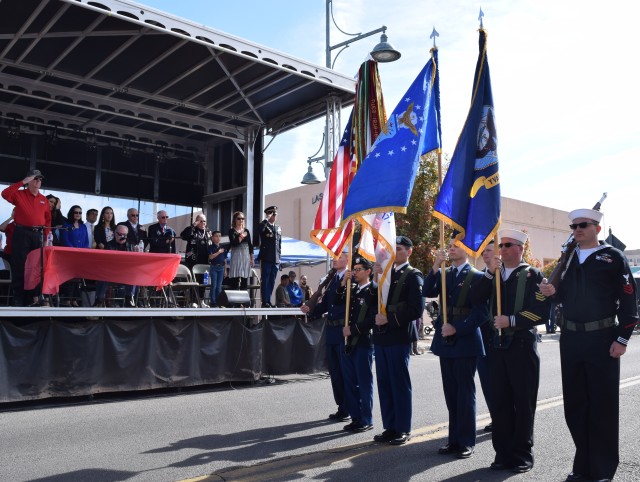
<point>183,287</point>
<point>198,276</point>
<point>5,282</point>
<point>254,288</point>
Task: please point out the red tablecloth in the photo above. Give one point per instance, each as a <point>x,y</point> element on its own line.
<point>63,264</point>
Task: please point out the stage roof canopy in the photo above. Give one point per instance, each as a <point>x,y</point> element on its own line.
<point>125,77</point>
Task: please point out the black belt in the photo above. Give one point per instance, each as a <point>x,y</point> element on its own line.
<point>338,322</point>
<point>29,228</point>
<point>455,311</point>
<point>589,325</point>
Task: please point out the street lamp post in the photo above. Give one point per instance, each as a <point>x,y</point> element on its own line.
<point>382,52</point>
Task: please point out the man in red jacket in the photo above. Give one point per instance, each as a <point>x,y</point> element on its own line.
<point>31,212</point>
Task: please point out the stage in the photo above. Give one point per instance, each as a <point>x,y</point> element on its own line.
<point>66,352</point>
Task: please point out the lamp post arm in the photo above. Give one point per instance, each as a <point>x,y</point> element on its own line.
<point>359,37</point>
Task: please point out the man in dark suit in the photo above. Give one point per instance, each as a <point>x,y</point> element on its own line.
<point>393,337</point>
<point>135,235</point>
<point>458,343</point>
<point>161,236</point>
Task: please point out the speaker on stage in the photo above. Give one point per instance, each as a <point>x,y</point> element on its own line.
<point>234,299</point>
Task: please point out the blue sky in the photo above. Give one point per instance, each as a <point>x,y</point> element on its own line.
<point>563,74</point>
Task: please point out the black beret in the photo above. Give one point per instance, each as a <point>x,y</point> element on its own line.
<point>271,209</point>
<point>366,264</point>
<point>404,241</point>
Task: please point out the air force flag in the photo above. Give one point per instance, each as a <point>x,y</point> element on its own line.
<point>385,179</point>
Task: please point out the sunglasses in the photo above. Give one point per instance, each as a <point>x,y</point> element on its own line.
<point>239,219</point>
<point>164,217</point>
<point>134,215</point>
<point>508,245</point>
<point>122,235</point>
<point>581,225</point>
<point>77,212</point>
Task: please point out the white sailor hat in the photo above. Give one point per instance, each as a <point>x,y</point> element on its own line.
<point>587,214</point>
<point>514,234</point>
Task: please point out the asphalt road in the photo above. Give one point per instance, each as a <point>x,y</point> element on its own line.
<point>280,431</point>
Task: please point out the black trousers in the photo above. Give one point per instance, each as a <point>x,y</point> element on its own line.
<point>515,377</point>
<point>24,241</point>
<point>591,387</point>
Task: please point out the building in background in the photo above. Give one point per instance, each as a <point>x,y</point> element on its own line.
<point>548,228</point>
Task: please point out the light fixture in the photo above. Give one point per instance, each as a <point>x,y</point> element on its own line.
<point>310,177</point>
<point>384,51</point>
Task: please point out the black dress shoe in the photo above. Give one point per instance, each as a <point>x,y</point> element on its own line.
<point>385,436</point>
<point>362,428</point>
<point>464,452</point>
<point>489,428</point>
<point>521,469</point>
<point>448,449</point>
<point>401,438</point>
<point>350,427</point>
<point>339,416</point>
<point>498,466</point>
<point>572,477</point>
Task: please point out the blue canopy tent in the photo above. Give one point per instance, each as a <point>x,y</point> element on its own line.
<point>300,253</point>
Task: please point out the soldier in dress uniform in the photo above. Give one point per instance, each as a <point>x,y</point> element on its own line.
<point>393,337</point>
<point>270,242</point>
<point>596,288</point>
<point>357,358</point>
<point>334,338</point>
<point>514,362</point>
<point>458,343</point>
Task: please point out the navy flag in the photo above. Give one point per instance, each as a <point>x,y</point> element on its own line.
<point>469,198</point>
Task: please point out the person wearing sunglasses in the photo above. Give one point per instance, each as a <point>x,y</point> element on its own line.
<point>31,209</point>
<point>513,359</point>
<point>137,237</point>
<point>135,231</point>
<point>458,344</point>
<point>600,310</point>
<point>74,235</point>
<point>198,238</point>
<point>241,250</point>
<point>161,235</point>
<point>117,243</point>
<point>357,358</point>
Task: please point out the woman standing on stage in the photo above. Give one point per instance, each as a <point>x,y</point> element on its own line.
<point>74,235</point>
<point>241,252</point>
<point>105,230</point>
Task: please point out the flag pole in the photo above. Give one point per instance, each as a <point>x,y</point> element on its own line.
<point>498,277</point>
<point>348,301</point>
<point>443,276</point>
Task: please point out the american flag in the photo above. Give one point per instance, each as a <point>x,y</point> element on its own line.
<point>326,230</point>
